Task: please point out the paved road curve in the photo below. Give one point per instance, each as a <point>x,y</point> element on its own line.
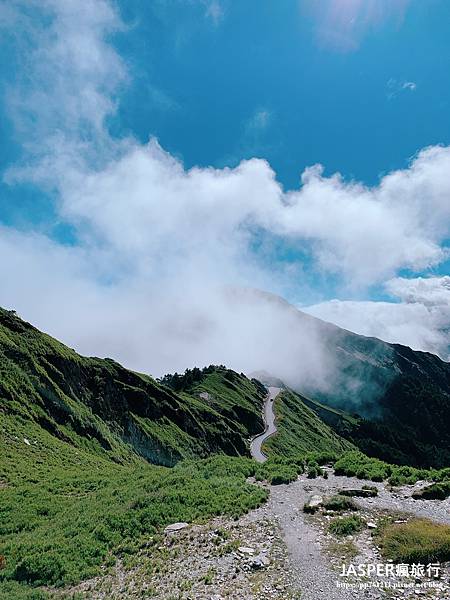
<point>269,420</point>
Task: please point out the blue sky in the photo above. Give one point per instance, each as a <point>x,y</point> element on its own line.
<point>257,80</point>
<point>200,85</point>
<point>149,142</point>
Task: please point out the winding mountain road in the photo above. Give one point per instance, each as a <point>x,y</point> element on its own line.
<point>269,420</point>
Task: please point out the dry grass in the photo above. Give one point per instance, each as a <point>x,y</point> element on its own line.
<point>418,540</point>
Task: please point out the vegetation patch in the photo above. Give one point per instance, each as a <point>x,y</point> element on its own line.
<point>339,503</point>
<point>342,549</point>
<point>300,430</point>
<point>357,464</point>
<point>417,541</point>
<point>346,525</point>
<point>436,491</point>
<point>66,513</point>
<point>280,469</point>
<point>367,491</point>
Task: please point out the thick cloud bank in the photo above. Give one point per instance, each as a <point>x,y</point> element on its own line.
<point>157,244</point>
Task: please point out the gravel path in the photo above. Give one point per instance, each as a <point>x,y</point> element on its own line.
<point>312,570</point>
<point>270,427</point>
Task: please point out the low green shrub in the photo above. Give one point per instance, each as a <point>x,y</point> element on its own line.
<point>357,464</point>
<point>436,491</point>
<point>283,475</point>
<point>346,525</point>
<point>407,475</point>
<point>12,590</point>
<point>61,529</point>
<point>322,458</point>
<point>313,470</point>
<point>440,475</point>
<point>281,469</point>
<point>339,503</point>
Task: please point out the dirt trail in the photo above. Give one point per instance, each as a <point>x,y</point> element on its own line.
<point>316,556</point>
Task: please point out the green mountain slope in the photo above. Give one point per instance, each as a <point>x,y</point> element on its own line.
<point>401,396</point>
<point>406,420</point>
<point>76,437</point>
<point>66,510</point>
<point>300,430</point>
<point>98,404</point>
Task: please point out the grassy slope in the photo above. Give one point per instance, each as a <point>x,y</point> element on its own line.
<point>97,403</point>
<point>65,512</point>
<point>301,430</point>
<point>75,488</point>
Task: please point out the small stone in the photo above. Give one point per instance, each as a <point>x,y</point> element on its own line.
<point>246,550</point>
<point>313,503</point>
<point>27,442</point>
<point>175,527</point>
<point>371,525</point>
<point>259,562</point>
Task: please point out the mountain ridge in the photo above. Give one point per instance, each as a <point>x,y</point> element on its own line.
<point>401,396</point>
<point>398,399</point>
<point>127,416</point>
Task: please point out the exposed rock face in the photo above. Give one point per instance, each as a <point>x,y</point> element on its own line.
<point>362,493</point>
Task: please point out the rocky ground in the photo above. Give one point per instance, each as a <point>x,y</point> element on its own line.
<point>223,559</point>
<point>276,551</point>
<point>316,556</point>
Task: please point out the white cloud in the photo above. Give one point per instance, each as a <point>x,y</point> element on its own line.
<point>144,202</point>
<point>69,73</point>
<point>421,319</point>
<point>157,242</point>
